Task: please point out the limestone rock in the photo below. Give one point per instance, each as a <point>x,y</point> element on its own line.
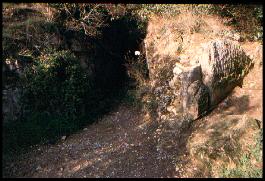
<point>219,68</point>
<point>193,71</point>
<point>194,94</point>
<point>224,65</point>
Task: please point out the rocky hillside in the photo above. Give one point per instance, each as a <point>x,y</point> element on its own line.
<point>170,90</point>
<point>193,66</point>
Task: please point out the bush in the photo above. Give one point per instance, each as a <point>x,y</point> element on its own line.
<point>247,19</point>
<point>137,69</point>
<point>56,84</point>
<point>88,18</point>
<point>54,92</point>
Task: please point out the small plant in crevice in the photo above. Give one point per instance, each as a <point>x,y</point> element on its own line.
<point>141,96</point>
<point>137,69</point>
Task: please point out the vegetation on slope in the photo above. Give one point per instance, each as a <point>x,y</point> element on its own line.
<point>59,96</point>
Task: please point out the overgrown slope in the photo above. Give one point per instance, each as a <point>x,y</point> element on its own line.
<point>67,65</point>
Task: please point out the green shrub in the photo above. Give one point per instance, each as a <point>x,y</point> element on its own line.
<point>131,98</point>
<point>55,84</point>
<point>244,169</point>
<point>54,91</point>
<point>33,34</point>
<point>246,19</point>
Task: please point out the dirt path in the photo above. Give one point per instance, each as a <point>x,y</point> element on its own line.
<point>114,147</point>
<point>89,153</point>
<point>120,146</point>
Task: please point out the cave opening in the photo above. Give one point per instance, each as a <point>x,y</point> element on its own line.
<point>108,59</point>
<point>117,45</point>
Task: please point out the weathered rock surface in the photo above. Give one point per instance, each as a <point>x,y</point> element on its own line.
<point>220,66</point>
<point>193,71</point>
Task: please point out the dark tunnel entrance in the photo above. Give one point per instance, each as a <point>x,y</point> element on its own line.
<point>117,45</point>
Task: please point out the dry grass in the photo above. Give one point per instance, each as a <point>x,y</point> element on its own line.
<point>220,144</point>
<point>172,36</point>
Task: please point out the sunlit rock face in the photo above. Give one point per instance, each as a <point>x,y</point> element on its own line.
<point>202,76</point>
<point>219,67</point>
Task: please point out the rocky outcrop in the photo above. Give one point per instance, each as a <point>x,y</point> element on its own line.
<point>196,76</point>
<point>193,93</point>
<point>220,66</point>
<point>192,71</point>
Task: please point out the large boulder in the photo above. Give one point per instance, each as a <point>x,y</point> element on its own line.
<point>192,71</point>
<point>205,81</point>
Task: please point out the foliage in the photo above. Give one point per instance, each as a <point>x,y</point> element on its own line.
<point>55,90</point>
<point>24,36</point>
<point>147,10</point>
<point>137,69</point>
<point>89,18</point>
<point>132,98</point>
<point>55,84</point>
<point>247,19</point>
